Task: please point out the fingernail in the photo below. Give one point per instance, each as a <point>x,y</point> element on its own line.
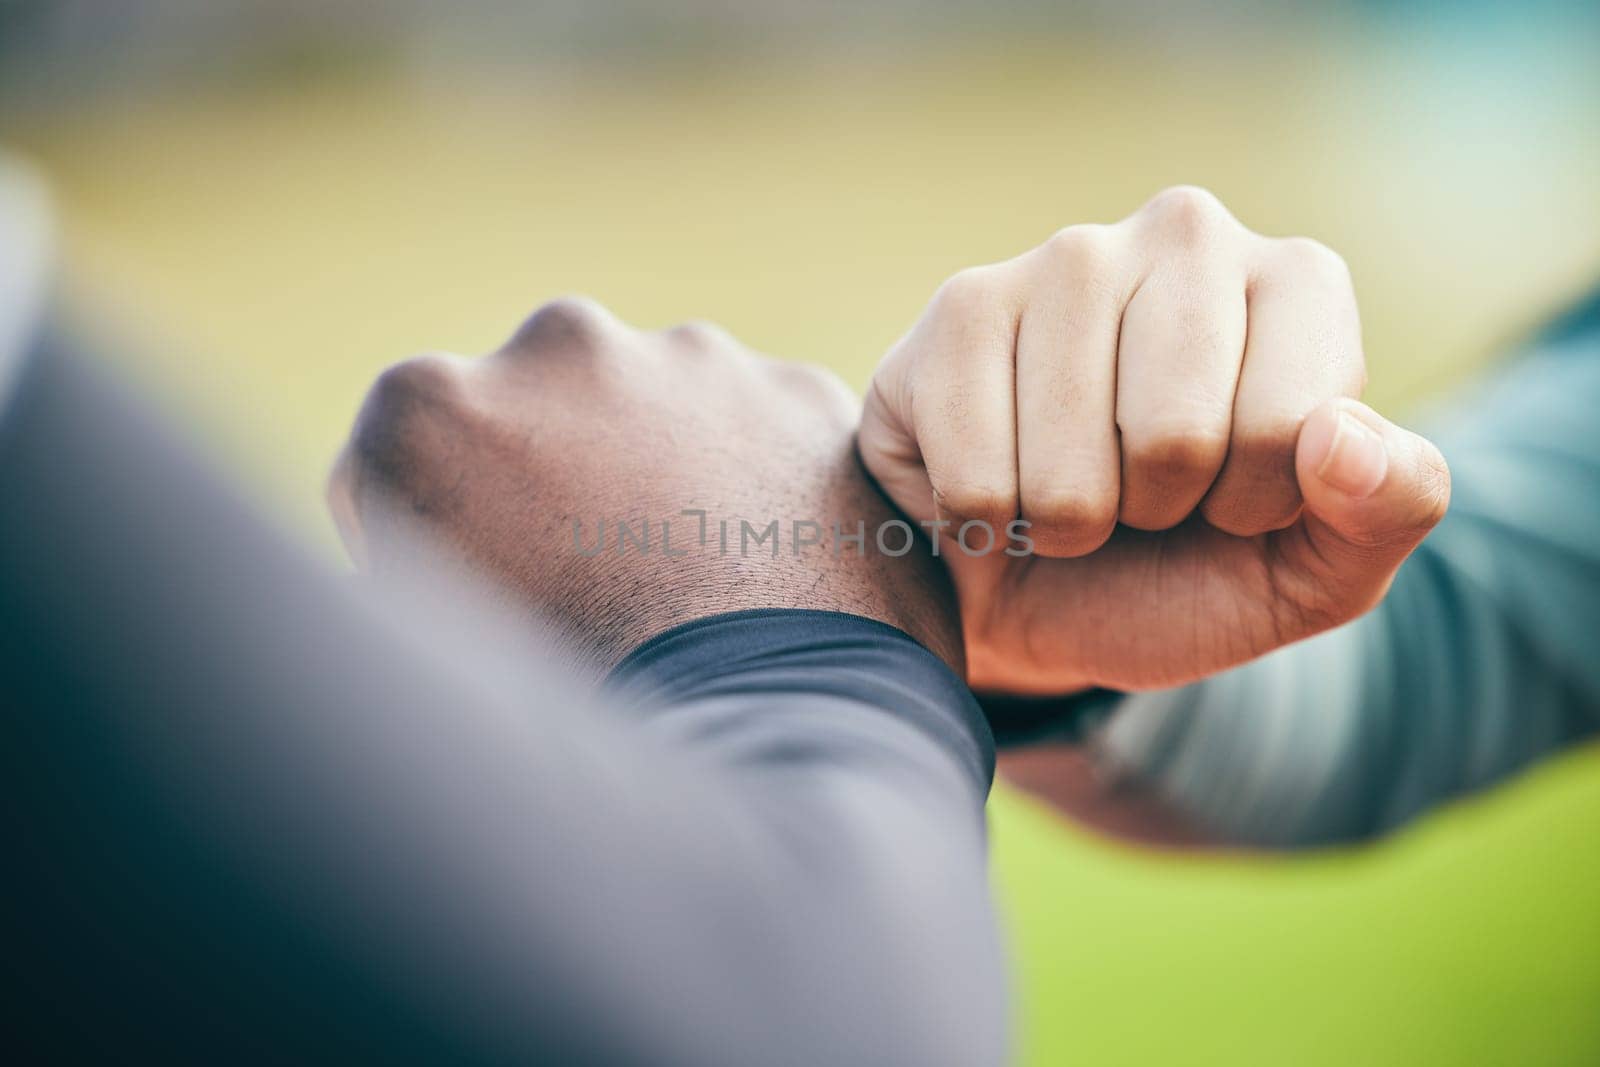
<point>1356,461</point>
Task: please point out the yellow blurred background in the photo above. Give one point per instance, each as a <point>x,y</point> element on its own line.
<point>269,245</point>
<point>260,242</point>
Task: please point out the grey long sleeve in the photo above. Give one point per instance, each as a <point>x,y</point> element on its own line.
<point>250,815</point>
<point>1481,659</point>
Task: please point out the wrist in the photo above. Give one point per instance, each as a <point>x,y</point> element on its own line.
<point>906,593</point>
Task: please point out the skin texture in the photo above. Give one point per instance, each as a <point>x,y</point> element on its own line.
<point>1170,401</point>
<point>580,416</point>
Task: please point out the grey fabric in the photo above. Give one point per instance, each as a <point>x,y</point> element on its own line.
<point>1480,660</point>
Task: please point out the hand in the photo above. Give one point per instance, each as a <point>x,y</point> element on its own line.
<point>580,418</point>
<point>1169,402</point>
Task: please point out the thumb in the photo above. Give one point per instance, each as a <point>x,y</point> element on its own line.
<point>1372,492</point>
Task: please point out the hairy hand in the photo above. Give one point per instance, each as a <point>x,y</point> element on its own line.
<point>1170,403</point>
<point>531,461</point>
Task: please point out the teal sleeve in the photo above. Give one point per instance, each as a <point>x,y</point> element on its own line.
<point>1482,658</point>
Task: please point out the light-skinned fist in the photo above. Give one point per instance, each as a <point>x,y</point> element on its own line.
<point>1171,404</point>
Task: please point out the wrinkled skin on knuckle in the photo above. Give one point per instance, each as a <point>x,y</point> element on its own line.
<point>1308,260</point>
<point>1188,216</point>
<point>1089,265</point>
<point>406,425</point>
<point>966,500</point>
<point>970,294</point>
<point>576,324</point>
<point>1165,474</point>
<point>1258,490</point>
<point>503,469</point>
<point>701,336</point>
<point>1252,513</point>
<point>1064,521</point>
<point>1173,454</point>
<point>1084,250</point>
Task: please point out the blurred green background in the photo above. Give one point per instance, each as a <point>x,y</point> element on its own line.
<point>265,203</point>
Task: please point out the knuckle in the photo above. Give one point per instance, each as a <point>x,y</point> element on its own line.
<point>568,322</point>
<point>1258,490</point>
<point>969,293</point>
<point>1188,212</point>
<point>1087,261</point>
<point>974,501</point>
<point>406,408</point>
<point>701,335</point>
<point>1266,452</point>
<point>1176,451</point>
<point>1084,249</point>
<point>1060,508</point>
<point>420,386</point>
<point>1311,259</point>
<point>1260,511</point>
